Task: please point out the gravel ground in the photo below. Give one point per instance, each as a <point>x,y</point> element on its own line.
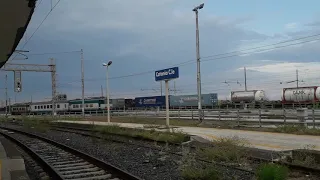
<point>144,162</point>
<point>35,172</point>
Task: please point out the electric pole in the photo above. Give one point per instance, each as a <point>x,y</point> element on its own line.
<point>54,86</point>
<point>161,87</point>
<point>174,87</point>
<point>297,76</point>
<point>245,79</point>
<point>101,91</point>
<point>6,84</point>
<point>198,61</point>
<point>297,79</point>
<point>9,105</point>
<point>82,81</point>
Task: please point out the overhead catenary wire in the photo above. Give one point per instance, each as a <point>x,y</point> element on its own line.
<point>240,53</point>
<point>53,53</point>
<point>38,27</point>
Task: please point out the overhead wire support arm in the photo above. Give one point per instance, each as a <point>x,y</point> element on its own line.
<point>27,67</point>
<point>37,68</point>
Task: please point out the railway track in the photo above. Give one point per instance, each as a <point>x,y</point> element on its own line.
<point>63,162</point>
<point>88,134</point>
<point>256,155</point>
<point>261,157</point>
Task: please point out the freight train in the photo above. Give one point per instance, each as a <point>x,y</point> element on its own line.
<point>290,97</point>
<point>99,104</point>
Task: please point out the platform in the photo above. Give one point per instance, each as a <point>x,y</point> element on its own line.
<point>11,162</point>
<point>257,139</point>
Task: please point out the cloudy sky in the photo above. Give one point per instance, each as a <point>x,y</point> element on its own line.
<point>141,36</point>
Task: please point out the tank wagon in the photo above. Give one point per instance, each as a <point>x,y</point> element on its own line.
<point>248,96</point>
<point>301,95</point>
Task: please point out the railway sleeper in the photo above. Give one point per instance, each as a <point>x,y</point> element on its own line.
<point>68,162</point>
<point>88,174</point>
<point>75,168</point>
<point>71,164</point>
<point>80,171</point>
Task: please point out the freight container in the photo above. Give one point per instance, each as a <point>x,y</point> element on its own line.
<point>152,101</point>
<point>301,95</point>
<point>192,100</point>
<point>118,103</point>
<point>129,103</point>
<point>248,96</point>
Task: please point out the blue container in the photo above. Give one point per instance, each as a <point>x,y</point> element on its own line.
<point>152,101</point>
<point>192,100</point>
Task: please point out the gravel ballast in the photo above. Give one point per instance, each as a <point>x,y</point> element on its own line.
<point>144,162</point>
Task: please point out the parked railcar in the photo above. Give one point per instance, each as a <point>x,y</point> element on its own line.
<point>248,96</point>
<point>117,103</point>
<point>90,104</point>
<point>191,101</point>
<point>20,108</point>
<point>152,101</point>
<point>39,108</point>
<point>129,103</point>
<point>301,95</point>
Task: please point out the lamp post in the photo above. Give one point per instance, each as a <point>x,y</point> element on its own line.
<point>107,88</point>
<point>198,61</point>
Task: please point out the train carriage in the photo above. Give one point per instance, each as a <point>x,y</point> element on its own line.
<point>46,107</point>
<point>20,108</point>
<point>89,105</point>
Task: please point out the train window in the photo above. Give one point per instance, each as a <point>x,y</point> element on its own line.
<point>91,105</point>
<point>41,107</point>
<point>87,105</point>
<point>58,106</point>
<point>48,106</point>
<point>35,107</point>
<point>44,107</point>
<point>65,106</point>
<point>51,106</point>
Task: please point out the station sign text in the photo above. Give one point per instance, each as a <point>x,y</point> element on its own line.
<point>166,74</point>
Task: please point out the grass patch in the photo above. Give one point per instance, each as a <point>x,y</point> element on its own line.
<point>305,157</point>
<point>191,169</point>
<point>200,173</point>
<point>296,129</point>
<point>40,124</point>
<point>163,136</point>
<point>272,172</point>
<point>226,149</point>
<point>146,120</point>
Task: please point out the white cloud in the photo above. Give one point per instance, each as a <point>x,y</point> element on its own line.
<point>292,25</point>
<point>268,77</point>
<point>155,34</point>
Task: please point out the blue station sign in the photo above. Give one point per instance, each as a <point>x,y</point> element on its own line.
<point>166,74</point>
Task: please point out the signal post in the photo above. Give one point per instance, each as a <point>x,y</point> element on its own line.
<point>166,75</point>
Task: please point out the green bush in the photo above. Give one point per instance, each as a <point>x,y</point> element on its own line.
<point>272,172</point>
